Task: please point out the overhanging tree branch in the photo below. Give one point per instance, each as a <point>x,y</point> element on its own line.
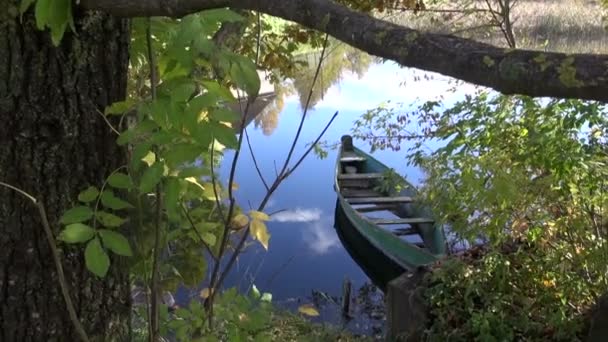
<point>510,71</point>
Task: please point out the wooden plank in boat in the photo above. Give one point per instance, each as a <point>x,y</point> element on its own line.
<point>355,183</point>
<point>372,200</point>
<point>351,157</point>
<point>349,193</point>
<point>408,220</point>
<point>381,207</point>
<point>405,231</point>
<point>372,175</point>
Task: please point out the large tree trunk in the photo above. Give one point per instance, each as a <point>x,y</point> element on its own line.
<point>53,144</point>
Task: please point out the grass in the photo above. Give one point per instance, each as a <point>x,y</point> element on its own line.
<point>571,26</point>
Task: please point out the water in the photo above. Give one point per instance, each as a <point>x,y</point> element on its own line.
<point>305,254</point>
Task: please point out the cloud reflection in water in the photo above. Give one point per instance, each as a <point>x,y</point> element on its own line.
<point>319,234</point>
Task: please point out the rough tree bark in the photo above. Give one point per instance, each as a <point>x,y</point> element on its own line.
<point>53,144</point>
<point>510,71</point>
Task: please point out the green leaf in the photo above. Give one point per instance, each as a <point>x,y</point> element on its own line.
<point>115,242</point>
<point>151,177</point>
<point>110,201</point>
<point>76,232</point>
<point>172,201</point>
<point>225,115</point>
<point>183,91</point>
<point>120,180</point>
<point>76,215</point>
<point>145,126</point>
<point>209,238</point>
<point>42,11</point>
<point>25,5</point>
<point>88,195</point>
<point>60,15</point>
<point>120,107</point>
<point>109,220</point>
<point>244,73</point>
<point>224,134</point>
<point>96,258</point>
<point>218,90</point>
<point>182,153</point>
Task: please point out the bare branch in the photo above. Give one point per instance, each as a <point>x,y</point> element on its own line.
<point>63,284</point>
<point>509,71</point>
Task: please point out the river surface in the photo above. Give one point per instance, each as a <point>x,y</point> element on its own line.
<point>306,260</point>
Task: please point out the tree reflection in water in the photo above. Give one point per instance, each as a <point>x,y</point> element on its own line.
<point>339,59</point>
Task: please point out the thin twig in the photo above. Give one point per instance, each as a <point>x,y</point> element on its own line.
<point>107,122</point>
<point>197,233</point>
<point>63,284</point>
<point>154,309</point>
<point>312,146</point>
<point>255,161</point>
<point>226,234</point>
<point>295,140</point>
<point>218,203</point>
<point>280,176</point>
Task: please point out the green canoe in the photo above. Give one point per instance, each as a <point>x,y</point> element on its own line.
<point>403,239</point>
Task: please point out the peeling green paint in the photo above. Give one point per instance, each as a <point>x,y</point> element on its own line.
<point>567,73</point>
<point>541,59</point>
<point>488,61</point>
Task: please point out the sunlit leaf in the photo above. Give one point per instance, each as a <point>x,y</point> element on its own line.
<point>258,215</point>
<point>195,182</point>
<point>115,242</point>
<point>239,221</point>
<point>88,195</point>
<point>260,232</point>
<point>204,294</point>
<point>266,297</point>
<point>120,180</point>
<point>308,309</point>
<point>96,258</point>
<point>76,232</point>
<point>209,238</point>
<point>109,220</point>
<point>76,215</point>
<point>119,108</point>
<point>255,293</point>
<point>110,201</point>
<point>149,158</point>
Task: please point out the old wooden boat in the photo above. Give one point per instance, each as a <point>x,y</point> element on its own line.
<point>386,233</point>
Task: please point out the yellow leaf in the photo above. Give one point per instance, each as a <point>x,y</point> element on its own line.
<point>195,182</point>
<point>308,309</point>
<point>205,293</point>
<point>149,159</point>
<point>235,186</point>
<point>239,221</point>
<point>258,215</point>
<point>260,233</point>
